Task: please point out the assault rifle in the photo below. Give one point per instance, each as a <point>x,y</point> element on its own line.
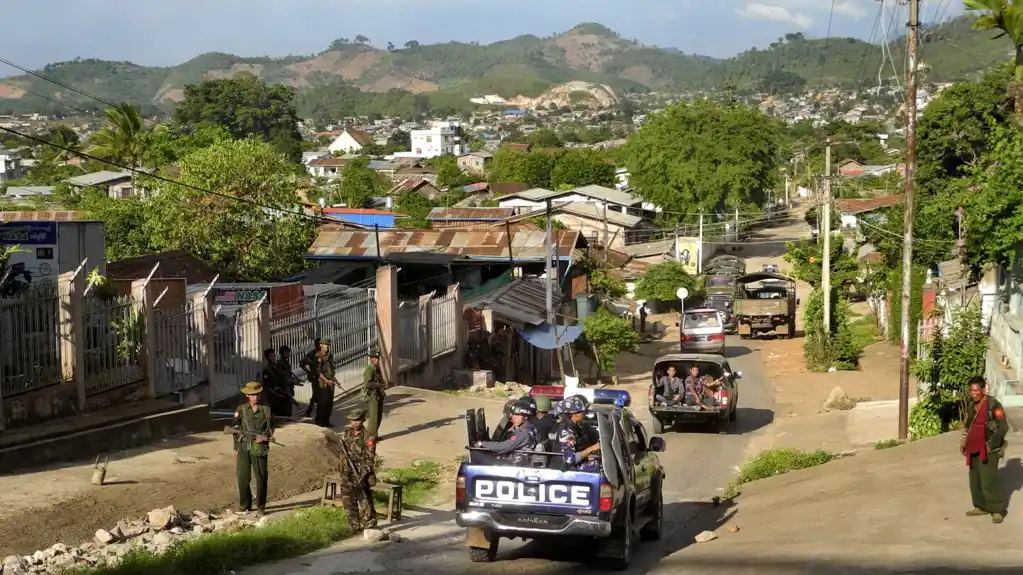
<point>250,435</point>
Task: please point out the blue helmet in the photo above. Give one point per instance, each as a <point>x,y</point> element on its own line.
<point>574,404</point>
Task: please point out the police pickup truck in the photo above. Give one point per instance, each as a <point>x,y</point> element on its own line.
<point>545,500</point>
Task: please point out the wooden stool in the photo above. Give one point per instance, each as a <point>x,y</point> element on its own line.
<point>331,491</point>
<point>394,496</point>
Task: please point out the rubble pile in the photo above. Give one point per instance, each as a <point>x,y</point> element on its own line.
<point>155,532</point>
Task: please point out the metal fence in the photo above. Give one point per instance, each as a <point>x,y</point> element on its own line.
<point>237,357</point>
<point>178,348</point>
<point>30,351</point>
<point>443,325</point>
<point>411,339</point>
<point>347,316</point>
<point>114,338</point>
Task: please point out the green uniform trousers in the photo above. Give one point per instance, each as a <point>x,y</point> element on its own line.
<point>248,467</point>
<point>985,488</point>
<point>374,413</point>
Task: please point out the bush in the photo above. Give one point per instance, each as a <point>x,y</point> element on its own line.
<point>776,462</point>
<point>662,281</point>
<point>886,444</point>
<point>840,348</point>
<point>608,335</point>
<point>926,420</point>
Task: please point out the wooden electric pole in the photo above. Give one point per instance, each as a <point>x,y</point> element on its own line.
<point>907,239</point>
<point>826,230</point>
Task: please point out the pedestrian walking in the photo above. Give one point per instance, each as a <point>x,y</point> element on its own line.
<point>357,473</point>
<point>306,363</point>
<point>320,368</point>
<point>255,425</point>
<point>983,444</point>
<point>373,386</point>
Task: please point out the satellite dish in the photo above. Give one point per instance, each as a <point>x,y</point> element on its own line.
<point>682,293</point>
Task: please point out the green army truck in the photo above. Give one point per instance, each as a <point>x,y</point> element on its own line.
<point>765,303</point>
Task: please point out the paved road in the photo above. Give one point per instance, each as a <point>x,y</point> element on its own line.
<point>698,463</point>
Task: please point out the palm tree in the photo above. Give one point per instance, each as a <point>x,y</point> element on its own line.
<point>123,140</point>
<point>1007,17</point>
<point>64,148</point>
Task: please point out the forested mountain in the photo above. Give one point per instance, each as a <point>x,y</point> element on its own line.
<point>355,76</point>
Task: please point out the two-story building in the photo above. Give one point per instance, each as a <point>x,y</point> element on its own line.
<point>1004,370</point>
<point>475,162</point>
<point>439,139</point>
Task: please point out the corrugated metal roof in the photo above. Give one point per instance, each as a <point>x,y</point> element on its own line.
<point>863,205</point>
<point>470,214</point>
<point>363,211</point>
<point>58,216</point>
<point>647,249</point>
<point>596,192</point>
<point>98,178</point>
<point>527,245</point>
<point>522,302</point>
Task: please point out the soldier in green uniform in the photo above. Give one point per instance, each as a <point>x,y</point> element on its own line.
<point>373,386</point>
<point>322,367</point>
<point>983,444</point>
<point>252,447</point>
<point>306,363</point>
<point>358,475</point>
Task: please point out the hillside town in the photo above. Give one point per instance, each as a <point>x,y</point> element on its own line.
<point>270,327</point>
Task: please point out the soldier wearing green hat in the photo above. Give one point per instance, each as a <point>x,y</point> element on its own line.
<point>373,386</point>
<point>545,421</point>
<point>252,447</point>
<point>357,473</point>
<point>319,365</point>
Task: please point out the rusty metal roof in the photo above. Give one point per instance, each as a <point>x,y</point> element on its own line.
<point>59,216</point>
<point>470,214</point>
<point>521,302</point>
<point>862,205</point>
<point>527,245</point>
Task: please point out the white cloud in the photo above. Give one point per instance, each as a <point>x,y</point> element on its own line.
<point>759,11</point>
<point>855,9</point>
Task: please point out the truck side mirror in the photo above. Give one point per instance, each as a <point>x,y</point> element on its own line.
<point>797,301</point>
<point>656,444</point>
<point>738,375</point>
<point>677,324</point>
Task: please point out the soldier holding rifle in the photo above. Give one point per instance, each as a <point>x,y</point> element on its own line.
<point>253,427</point>
<point>357,473</point>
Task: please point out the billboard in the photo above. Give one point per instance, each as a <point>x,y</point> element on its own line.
<point>687,251</point>
<point>35,259</point>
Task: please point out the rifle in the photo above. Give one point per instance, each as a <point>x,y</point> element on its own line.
<point>251,435</point>
<point>348,458</point>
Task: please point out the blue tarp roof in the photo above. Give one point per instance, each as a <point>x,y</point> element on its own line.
<point>547,336</point>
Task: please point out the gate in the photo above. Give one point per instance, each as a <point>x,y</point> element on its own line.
<point>178,348</point>
<point>237,358</point>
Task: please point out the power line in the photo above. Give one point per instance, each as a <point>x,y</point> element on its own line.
<point>45,97</point>
<point>827,41</point>
<point>61,84</point>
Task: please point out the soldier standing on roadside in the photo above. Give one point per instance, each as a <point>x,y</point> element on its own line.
<point>373,392</point>
<point>358,474</point>
<point>270,379</point>
<point>306,363</point>
<point>288,379</point>
<point>320,367</point>
<point>983,444</point>
<point>252,448</point>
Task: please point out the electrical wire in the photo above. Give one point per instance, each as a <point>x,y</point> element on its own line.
<point>61,84</point>
<point>827,41</point>
<point>50,99</point>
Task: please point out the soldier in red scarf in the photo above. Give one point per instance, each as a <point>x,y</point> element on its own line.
<point>983,444</point>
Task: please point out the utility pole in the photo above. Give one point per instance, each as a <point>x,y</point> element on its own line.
<point>907,240</point>
<point>605,232</point>
<point>550,271</point>
<point>736,225</point>
<point>787,203</point>
<point>699,254</point>
<point>826,229</point>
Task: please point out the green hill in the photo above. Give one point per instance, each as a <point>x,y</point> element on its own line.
<point>350,76</point>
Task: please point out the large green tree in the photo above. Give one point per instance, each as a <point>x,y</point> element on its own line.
<point>246,107</point>
<point>705,156</point>
<point>533,169</point>
<point>1005,16</point>
<point>249,230</point>
<point>581,167</point>
<point>357,184</point>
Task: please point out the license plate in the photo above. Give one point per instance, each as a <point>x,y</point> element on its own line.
<point>532,520</point>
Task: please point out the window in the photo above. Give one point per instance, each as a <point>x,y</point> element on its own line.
<point>429,139</point>
<point>718,281</point>
<point>628,425</point>
<point>641,439</point>
<point>702,319</point>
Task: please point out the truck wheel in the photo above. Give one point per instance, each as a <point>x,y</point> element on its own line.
<point>652,530</point>
<point>734,415</point>
<point>484,554</point>
<point>724,424</point>
<point>625,539</point>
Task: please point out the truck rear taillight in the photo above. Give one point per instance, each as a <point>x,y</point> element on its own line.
<point>605,497</point>
<point>717,337</point>
<point>460,488</point>
<point>724,397</point>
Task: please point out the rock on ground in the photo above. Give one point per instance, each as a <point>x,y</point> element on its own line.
<point>838,400</point>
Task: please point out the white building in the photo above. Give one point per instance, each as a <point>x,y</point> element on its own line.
<point>10,166</point>
<point>350,141</point>
<point>439,139</point>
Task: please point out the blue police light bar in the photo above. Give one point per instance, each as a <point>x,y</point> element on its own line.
<point>618,397</point>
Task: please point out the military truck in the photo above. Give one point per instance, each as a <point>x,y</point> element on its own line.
<point>765,302</point>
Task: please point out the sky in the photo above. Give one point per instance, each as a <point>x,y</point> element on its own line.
<point>169,32</point>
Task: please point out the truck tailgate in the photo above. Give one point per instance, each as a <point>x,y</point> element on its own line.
<point>761,307</point>
<point>522,493</point>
